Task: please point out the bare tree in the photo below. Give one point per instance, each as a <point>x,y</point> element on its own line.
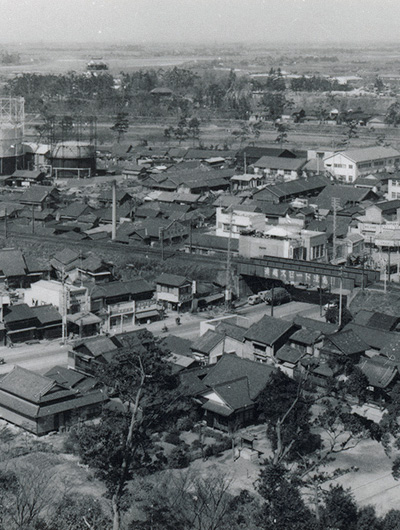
<point>190,502</point>
<point>25,495</point>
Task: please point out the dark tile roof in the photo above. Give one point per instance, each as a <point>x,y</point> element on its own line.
<point>231,368</point>
<point>379,371</point>
<point>112,289</point>
<point>207,342</point>
<point>192,381</point>
<point>177,345</point>
<point>26,384</point>
<point>91,263</point>
<point>345,194</point>
<point>276,162</point>
<point>286,354</point>
<point>347,342</point>
<point>306,336</point>
<point>171,279</point>
<point>268,330</point>
<point>74,210</point>
<point>326,225</point>
<point>27,174</point>
<point>12,263</point>
<point>66,256</point>
<point>388,205</point>
<point>17,313</point>
<point>36,194</point>
<point>375,338</point>
<point>316,325</point>
<point>292,188</point>
<point>96,346</point>
<point>46,314</point>
<point>271,209</point>
<point>362,317</point>
<point>383,321</point>
<point>235,393</point>
<point>65,376</point>
<point>203,154</point>
<point>214,242</point>
<point>391,349</point>
<point>231,330</point>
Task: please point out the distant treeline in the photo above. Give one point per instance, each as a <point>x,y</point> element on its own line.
<point>186,92</point>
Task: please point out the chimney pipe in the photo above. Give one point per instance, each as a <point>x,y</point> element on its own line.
<point>114,211</point>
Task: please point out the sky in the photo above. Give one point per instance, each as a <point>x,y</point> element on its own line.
<point>199,21</point>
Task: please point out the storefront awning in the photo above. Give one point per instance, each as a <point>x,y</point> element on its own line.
<point>83,319</point>
<point>148,314</point>
<point>214,298</point>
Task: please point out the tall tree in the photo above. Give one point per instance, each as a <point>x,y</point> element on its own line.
<point>287,412</point>
<point>121,445</point>
<point>340,510</point>
<point>392,116</point>
<point>121,125</point>
<point>284,508</point>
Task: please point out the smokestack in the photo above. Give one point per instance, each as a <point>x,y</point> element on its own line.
<point>114,211</point>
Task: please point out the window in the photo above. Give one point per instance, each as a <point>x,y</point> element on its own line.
<point>350,166</point>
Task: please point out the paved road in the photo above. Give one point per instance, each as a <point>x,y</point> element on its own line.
<point>41,357</point>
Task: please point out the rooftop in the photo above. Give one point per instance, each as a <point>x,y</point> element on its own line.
<point>268,330</point>
<point>232,368</point>
<point>368,153</point>
<point>171,279</point>
<point>26,384</point>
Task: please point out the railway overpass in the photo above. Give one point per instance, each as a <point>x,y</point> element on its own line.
<point>306,272</point>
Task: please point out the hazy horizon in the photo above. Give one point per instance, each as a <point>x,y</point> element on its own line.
<point>150,22</point>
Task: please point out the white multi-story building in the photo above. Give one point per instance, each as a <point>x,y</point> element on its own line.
<point>348,165</point>
<point>240,218</point>
<point>285,242</point>
<point>73,298</point>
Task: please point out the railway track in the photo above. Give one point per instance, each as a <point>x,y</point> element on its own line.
<point>247,266</point>
<point>144,251</point>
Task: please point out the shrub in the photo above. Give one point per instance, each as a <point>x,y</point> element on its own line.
<point>184,424</point>
<point>178,458</point>
<point>173,438</point>
<point>196,444</point>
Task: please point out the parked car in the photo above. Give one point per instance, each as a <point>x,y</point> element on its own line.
<point>331,305</point>
<point>263,294</point>
<point>278,296</point>
<point>254,299</point>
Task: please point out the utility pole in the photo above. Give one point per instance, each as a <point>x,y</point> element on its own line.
<point>272,301</point>
<point>335,206</point>
<point>190,236</point>
<point>320,295</point>
<point>341,297</point>
<point>64,308</point>
<point>162,243</point>
<point>33,219</point>
<point>5,223</point>
<point>228,276</point>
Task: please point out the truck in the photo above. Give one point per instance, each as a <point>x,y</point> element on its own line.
<point>278,295</point>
